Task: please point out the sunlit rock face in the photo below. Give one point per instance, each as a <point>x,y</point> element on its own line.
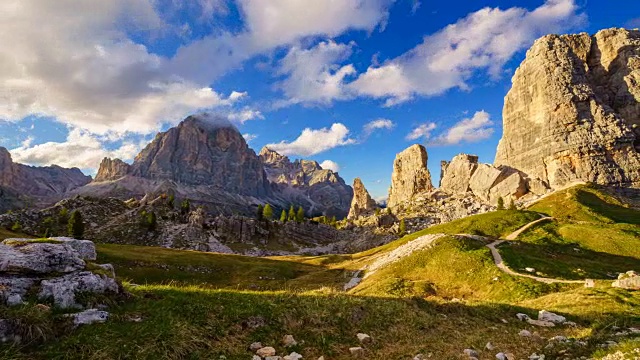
<point>573,112</point>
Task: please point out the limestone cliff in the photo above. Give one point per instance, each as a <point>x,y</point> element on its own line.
<point>112,169</point>
<point>362,203</point>
<point>410,175</point>
<point>573,112</point>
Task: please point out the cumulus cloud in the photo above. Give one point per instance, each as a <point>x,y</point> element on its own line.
<point>470,130</point>
<point>376,124</point>
<point>634,23</point>
<point>483,41</point>
<point>78,65</point>
<point>422,131</point>
<point>312,75</point>
<point>312,142</point>
<point>330,165</point>
<point>81,149</point>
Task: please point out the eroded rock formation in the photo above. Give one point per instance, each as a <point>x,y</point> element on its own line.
<point>362,203</point>
<point>573,112</point>
<point>410,175</point>
<point>112,169</point>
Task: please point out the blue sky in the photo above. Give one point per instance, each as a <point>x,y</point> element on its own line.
<point>348,83</point>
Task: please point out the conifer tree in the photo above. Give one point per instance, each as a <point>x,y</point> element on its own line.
<point>512,205</point>
<point>403,228</point>
<point>76,225</point>
<point>267,213</point>
<point>292,214</point>
<point>283,216</point>
<point>300,214</point>
<point>260,212</point>
<point>500,203</point>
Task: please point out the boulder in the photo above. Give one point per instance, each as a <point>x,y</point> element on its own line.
<point>266,351</point>
<point>89,316</point>
<point>630,281</point>
<point>544,315</point>
<point>39,258</point>
<point>457,174</point>
<point>512,187</point>
<point>85,248</point>
<point>63,290</point>
<point>13,288</point>
<point>483,179</point>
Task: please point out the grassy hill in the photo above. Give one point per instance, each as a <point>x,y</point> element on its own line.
<point>437,300</point>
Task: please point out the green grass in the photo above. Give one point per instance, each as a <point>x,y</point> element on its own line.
<point>459,268</point>
<point>6,234</point>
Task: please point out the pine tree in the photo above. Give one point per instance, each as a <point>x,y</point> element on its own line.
<point>500,203</point>
<point>16,227</point>
<point>403,228</point>
<point>185,207</point>
<point>152,221</point>
<point>512,205</point>
<point>63,217</point>
<point>260,212</point>
<point>300,214</point>
<point>76,225</point>
<point>268,212</point>
<point>283,216</point>
<point>292,214</point>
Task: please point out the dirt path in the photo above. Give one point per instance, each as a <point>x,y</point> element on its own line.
<point>497,258</point>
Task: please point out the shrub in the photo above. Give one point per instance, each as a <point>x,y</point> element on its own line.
<point>292,214</point>
<point>300,214</point>
<point>151,221</point>
<point>403,228</point>
<point>185,207</point>
<point>260,212</point>
<point>283,216</point>
<point>16,227</point>
<point>500,203</point>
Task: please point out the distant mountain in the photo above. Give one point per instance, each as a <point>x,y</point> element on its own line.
<point>205,159</point>
<point>22,185</point>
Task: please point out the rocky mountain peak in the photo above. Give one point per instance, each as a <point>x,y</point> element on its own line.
<point>273,158</point>
<point>203,150</point>
<point>362,203</point>
<point>573,112</point>
<point>112,169</point>
<point>410,175</point>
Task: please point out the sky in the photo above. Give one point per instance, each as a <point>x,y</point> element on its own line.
<point>348,83</point>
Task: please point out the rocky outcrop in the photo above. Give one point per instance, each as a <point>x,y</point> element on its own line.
<point>112,169</point>
<point>21,184</point>
<point>410,175</point>
<point>456,175</point>
<point>573,112</point>
<point>52,269</point>
<point>362,203</point>
<point>304,182</point>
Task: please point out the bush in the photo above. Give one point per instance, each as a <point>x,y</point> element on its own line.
<point>76,225</point>
<point>151,221</point>
<point>292,214</point>
<point>403,228</point>
<point>283,216</point>
<point>16,227</point>
<point>300,214</point>
<point>185,207</point>
<point>500,203</point>
<point>260,212</point>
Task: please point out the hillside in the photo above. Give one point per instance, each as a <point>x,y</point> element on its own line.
<point>440,299</point>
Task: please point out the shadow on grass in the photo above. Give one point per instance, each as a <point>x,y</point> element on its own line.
<point>565,260</point>
<point>611,211</point>
<point>196,323</point>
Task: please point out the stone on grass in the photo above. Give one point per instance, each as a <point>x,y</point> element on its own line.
<point>256,357</point>
<point>489,346</point>
<point>39,258</point>
<point>525,333</point>
<point>364,338</point>
<point>356,351</point>
<point>266,351</point>
<point>589,283</point>
<point>85,248</point>
<point>501,356</point>
<point>293,356</point>
<point>255,346</point>
<point>522,317</point>
<point>629,280</point>
<point>89,316</point>
<point>471,353</point>
<point>288,341</point>
<point>544,315</point>
<point>541,323</point>
<point>14,288</point>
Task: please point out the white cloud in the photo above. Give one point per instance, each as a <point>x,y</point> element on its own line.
<point>79,66</point>
<point>422,131</point>
<point>376,124</point>
<point>330,165</point>
<point>469,130</point>
<point>81,149</point>
<point>312,75</point>
<point>249,137</point>
<point>245,115</point>
<point>483,41</point>
<point>312,142</point>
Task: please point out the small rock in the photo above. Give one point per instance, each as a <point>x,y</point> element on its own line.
<point>530,270</point>
<point>489,346</point>
<point>558,338</point>
<point>289,341</point>
<point>501,356</point>
<point>522,317</point>
<point>504,321</point>
<point>273,358</point>
<point>589,283</point>
<point>541,323</point>
<point>266,351</point>
<point>321,358</point>
<point>293,356</point>
<point>510,356</point>
<point>89,317</point>
<point>356,351</point>
<point>255,346</point>
<point>525,333</point>
<point>256,357</point>
<point>544,315</point>
<point>471,353</point>
<point>364,338</point>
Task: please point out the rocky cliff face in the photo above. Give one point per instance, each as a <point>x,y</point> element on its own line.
<point>410,175</point>
<point>203,150</point>
<point>362,203</point>
<point>112,169</point>
<point>305,182</point>
<point>573,112</point>
<point>35,184</point>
